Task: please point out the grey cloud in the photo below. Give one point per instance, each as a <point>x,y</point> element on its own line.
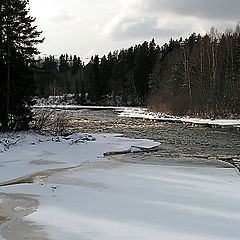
<point>141,19</point>
<point>211,9</point>
<point>139,27</point>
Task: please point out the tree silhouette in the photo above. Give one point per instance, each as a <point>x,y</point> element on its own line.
<point>18,39</point>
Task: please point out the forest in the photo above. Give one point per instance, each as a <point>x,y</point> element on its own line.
<point>198,76</point>
<point>120,78</point>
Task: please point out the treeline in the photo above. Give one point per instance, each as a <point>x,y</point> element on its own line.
<point>198,76</point>
<point>120,78</point>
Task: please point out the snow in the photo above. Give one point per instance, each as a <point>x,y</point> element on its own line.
<point>75,107</point>
<point>134,149</point>
<point>112,200</point>
<point>144,113</point>
<point>72,151</point>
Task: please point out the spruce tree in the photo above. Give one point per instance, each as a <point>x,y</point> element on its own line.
<point>18,39</point>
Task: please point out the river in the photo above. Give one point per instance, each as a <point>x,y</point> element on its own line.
<point>179,143</point>
<point>159,197</point>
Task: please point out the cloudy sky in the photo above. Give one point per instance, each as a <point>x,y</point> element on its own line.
<point>93,27</point>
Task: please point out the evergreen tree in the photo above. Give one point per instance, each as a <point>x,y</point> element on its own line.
<point>48,83</point>
<point>64,74</point>
<point>76,77</point>
<point>18,39</point>
<point>143,68</point>
<point>199,75</point>
<point>104,76</point>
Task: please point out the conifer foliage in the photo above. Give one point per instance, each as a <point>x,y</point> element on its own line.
<point>198,76</point>
<point>18,39</point>
<point>120,78</point>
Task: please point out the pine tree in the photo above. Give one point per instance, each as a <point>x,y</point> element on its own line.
<point>142,70</point>
<point>18,39</point>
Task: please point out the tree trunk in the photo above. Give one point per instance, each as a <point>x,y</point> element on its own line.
<point>186,75</point>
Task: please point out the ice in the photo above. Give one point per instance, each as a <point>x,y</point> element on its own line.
<point>144,113</point>
<point>145,202</point>
<point>112,200</point>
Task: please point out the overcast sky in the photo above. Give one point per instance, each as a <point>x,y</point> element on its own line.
<point>86,28</point>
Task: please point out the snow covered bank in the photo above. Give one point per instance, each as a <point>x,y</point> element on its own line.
<point>110,200</point>
<point>26,153</point>
<point>143,113</point>
<point>31,160</point>
<point>76,107</point>
<point>139,202</point>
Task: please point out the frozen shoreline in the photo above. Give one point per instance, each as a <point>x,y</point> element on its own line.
<point>113,200</point>
<point>30,159</point>
<point>144,113</point>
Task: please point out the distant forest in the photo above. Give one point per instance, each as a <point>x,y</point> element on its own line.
<point>120,78</point>
<point>196,76</point>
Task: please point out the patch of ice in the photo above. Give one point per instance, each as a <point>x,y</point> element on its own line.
<point>146,114</point>
<point>18,208</point>
<point>135,149</point>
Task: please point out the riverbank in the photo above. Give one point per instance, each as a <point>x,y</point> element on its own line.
<point>178,140</point>
<point>178,191</point>
<point>32,161</point>
<point>105,199</point>
<point>144,113</point>
<point>158,116</point>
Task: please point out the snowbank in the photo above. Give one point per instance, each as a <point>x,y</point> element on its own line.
<point>22,150</point>
<point>143,113</point>
<point>75,107</point>
<point>109,200</point>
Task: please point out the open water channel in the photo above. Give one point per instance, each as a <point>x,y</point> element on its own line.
<point>180,144</point>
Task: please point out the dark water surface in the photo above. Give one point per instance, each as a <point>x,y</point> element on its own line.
<point>178,141</point>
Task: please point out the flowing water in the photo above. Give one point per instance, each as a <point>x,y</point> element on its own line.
<point>180,144</point>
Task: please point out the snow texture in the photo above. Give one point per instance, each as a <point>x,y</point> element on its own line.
<point>143,113</point>
<point>112,201</point>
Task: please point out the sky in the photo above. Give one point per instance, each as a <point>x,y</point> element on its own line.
<point>91,27</point>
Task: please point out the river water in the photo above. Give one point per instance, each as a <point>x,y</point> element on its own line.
<point>180,144</point>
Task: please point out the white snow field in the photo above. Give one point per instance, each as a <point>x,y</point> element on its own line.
<point>108,200</point>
